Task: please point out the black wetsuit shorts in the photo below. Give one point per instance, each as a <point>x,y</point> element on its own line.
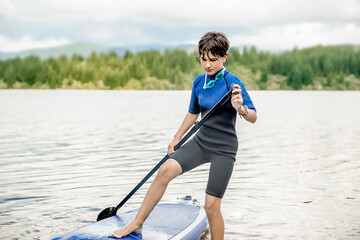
<point>194,153</point>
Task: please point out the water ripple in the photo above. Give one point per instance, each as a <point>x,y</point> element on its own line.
<point>296,175</point>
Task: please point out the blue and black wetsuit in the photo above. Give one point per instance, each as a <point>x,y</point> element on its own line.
<point>216,141</point>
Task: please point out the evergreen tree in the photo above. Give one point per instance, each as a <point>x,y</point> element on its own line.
<point>177,68</point>
<point>264,77</point>
<point>10,75</point>
<point>307,75</point>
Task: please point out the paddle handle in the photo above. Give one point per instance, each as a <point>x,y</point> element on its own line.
<point>140,184</point>
<point>177,146</point>
<point>203,119</point>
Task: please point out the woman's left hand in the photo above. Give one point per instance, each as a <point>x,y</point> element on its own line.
<point>236,98</point>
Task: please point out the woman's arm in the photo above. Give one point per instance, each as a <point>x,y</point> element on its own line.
<point>250,117</point>
<point>188,121</point>
<point>237,103</point>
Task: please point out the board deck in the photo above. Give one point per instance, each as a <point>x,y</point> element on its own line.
<point>182,220</point>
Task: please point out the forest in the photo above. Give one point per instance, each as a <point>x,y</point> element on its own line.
<point>315,68</point>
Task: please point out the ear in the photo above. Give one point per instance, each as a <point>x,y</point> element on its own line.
<point>224,58</point>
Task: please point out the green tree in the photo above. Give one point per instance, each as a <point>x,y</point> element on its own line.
<point>112,80</point>
<point>128,55</point>
<point>264,77</point>
<point>294,79</point>
<point>307,75</point>
<point>28,69</point>
<point>10,75</point>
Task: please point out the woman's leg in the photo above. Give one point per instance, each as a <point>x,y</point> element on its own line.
<point>219,175</point>
<point>168,171</point>
<point>213,213</point>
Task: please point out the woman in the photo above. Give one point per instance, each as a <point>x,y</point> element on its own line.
<point>215,143</point>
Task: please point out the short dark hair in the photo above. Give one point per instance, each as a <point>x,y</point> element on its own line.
<point>214,42</point>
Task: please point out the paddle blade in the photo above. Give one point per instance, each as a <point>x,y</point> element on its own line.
<point>107,212</point>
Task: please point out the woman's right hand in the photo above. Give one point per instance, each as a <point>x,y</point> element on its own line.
<point>188,121</point>
<point>171,146</point>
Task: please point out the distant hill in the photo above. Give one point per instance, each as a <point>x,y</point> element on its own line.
<point>160,47</point>
<point>82,49</point>
<point>85,49</point>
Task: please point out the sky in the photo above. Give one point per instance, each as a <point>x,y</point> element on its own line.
<point>268,25</point>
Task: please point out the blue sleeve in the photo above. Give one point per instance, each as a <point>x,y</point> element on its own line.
<point>245,95</point>
<point>246,98</point>
<point>194,106</point>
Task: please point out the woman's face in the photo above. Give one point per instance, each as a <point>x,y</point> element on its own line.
<point>212,64</point>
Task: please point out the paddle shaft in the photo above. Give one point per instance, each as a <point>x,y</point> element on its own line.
<point>177,146</point>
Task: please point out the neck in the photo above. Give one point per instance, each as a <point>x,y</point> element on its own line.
<point>213,75</point>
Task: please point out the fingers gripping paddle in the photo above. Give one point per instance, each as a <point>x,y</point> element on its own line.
<point>111,211</point>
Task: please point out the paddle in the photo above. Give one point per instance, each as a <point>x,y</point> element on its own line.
<point>111,211</point>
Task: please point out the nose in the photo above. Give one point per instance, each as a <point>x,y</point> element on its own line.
<point>207,64</point>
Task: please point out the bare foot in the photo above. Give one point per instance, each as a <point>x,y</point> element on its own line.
<point>131,228</point>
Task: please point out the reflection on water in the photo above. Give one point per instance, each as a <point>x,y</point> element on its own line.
<point>66,155</point>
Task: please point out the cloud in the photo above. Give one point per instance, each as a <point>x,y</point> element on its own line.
<point>300,35</point>
<point>100,34</point>
<point>27,42</point>
<point>120,22</point>
<point>7,8</point>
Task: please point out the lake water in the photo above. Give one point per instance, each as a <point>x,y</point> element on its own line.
<point>66,155</point>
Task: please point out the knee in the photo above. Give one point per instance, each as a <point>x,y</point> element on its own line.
<point>212,209</point>
<point>164,174</point>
